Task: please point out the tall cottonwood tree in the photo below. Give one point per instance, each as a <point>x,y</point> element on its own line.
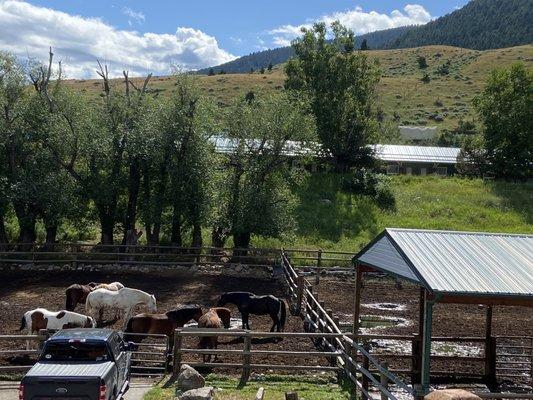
<point>341,84</point>
<point>257,196</point>
<point>506,109</point>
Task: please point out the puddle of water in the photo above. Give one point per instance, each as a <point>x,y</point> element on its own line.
<point>386,306</point>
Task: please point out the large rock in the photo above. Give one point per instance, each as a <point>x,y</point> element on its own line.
<point>189,379</point>
<point>452,394</point>
<point>205,393</point>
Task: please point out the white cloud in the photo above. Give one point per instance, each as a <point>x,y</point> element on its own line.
<point>26,29</point>
<point>134,17</point>
<point>358,20</point>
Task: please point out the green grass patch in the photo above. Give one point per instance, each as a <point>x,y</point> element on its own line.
<point>330,218</point>
<point>308,388</point>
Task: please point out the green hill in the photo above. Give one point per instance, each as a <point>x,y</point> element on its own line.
<point>480,25</point>
<point>401,93</point>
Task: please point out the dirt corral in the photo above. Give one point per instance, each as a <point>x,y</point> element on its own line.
<point>25,292</point>
<point>382,300</point>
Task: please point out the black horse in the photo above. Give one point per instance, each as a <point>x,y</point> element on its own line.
<point>248,303</point>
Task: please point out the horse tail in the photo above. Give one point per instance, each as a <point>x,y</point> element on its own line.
<point>282,313</point>
<point>23,323</point>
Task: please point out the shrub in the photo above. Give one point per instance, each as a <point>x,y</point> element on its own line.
<point>365,182</point>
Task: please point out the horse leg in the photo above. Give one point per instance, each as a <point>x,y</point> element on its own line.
<point>275,322</point>
<point>100,317</point>
<point>127,316</point>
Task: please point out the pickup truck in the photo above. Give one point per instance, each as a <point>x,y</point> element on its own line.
<point>80,364</point>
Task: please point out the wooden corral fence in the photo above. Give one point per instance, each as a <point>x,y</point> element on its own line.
<point>354,359</point>
<point>79,254</point>
<point>151,358</point>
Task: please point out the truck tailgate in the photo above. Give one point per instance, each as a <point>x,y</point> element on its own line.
<point>55,388</point>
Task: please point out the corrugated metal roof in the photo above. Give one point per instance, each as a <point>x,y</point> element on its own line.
<point>228,145</point>
<point>461,262</point>
<point>422,154</point>
<point>384,152</point>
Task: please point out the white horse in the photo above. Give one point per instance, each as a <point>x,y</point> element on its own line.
<point>125,300</point>
<point>41,318</point>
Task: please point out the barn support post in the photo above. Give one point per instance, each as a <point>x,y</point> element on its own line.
<point>416,370</point>
<point>357,301</point>
<point>490,351</point>
<point>426,344</point>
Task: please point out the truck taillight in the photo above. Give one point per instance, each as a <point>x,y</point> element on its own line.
<point>21,392</point>
<point>102,394</point>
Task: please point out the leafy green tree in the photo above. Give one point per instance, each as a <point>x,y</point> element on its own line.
<point>211,72</point>
<point>257,198</point>
<point>340,83</point>
<point>364,45</point>
<point>270,66</point>
<point>506,110</point>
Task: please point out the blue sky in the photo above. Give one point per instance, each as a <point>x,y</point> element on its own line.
<point>151,35</point>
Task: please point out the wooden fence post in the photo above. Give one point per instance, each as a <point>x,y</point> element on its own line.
<point>318,266</point>
<point>416,366</point>
<point>384,380</point>
<point>246,359</point>
<point>490,362</point>
<point>176,358</point>
<point>299,295</point>
<point>366,367</point>
<point>531,359</point>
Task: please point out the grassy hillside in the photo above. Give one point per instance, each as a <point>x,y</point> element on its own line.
<point>401,93</point>
<point>331,219</point>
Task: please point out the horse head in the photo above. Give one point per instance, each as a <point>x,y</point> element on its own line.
<point>151,305</point>
<point>90,323</point>
<point>223,300</point>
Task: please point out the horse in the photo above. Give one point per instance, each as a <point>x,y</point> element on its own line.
<point>77,294</point>
<point>40,318</point>
<point>124,299</point>
<point>110,286</point>
<point>248,303</point>
<point>209,320</point>
<point>224,314</point>
<point>164,324</point>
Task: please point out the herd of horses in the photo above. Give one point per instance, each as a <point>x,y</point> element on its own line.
<point>121,300</point>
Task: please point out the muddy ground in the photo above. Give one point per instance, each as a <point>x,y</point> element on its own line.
<point>22,292</point>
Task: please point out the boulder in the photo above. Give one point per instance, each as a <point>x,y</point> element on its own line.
<point>189,379</point>
<point>452,394</point>
<point>205,393</point>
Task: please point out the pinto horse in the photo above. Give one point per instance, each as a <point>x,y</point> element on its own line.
<point>41,318</point>
<point>163,324</point>
<point>77,294</point>
<point>124,300</point>
<point>248,303</point>
<point>209,320</point>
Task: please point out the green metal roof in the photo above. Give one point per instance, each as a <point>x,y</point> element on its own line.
<point>452,262</point>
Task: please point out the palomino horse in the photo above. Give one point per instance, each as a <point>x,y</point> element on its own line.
<point>163,324</point>
<point>40,318</point>
<point>224,314</point>
<point>248,303</point>
<point>77,294</point>
<point>124,300</point>
<point>209,320</point>
<point>110,286</point>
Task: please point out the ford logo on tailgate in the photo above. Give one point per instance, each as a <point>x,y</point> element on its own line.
<point>61,390</point>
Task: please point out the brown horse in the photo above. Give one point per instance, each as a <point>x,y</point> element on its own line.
<point>163,324</point>
<point>77,294</point>
<point>224,314</point>
<point>209,320</point>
